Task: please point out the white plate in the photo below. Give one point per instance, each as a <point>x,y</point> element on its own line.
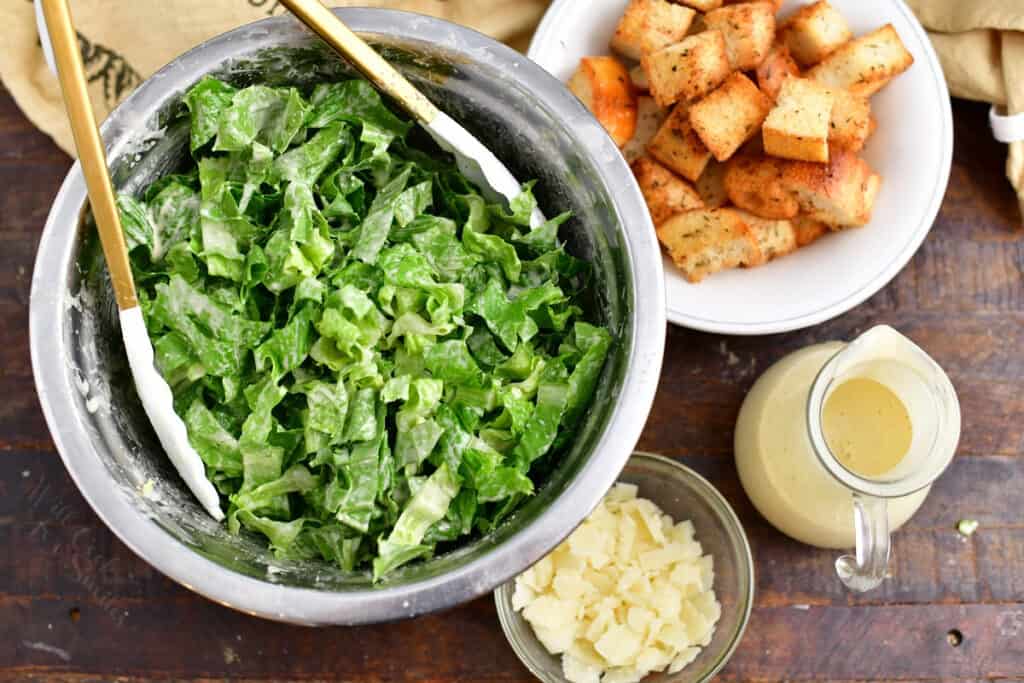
<point>912,150</point>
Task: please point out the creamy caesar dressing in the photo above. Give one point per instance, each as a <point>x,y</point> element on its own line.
<point>866,426</point>
<point>777,464</point>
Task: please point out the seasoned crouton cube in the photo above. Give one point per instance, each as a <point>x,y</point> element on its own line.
<point>664,23</point>
<point>851,122</point>
<point>649,25</point>
<point>649,118</point>
<point>711,185</point>
<point>748,29</point>
<point>864,65</point>
<point>775,238</point>
<point>706,241</point>
<point>602,84</point>
<point>677,145</point>
<point>703,5</point>
<point>687,70</point>
<point>666,193</point>
<point>798,126</point>
<point>776,4</point>
<point>777,66</point>
<point>628,34</point>
<point>815,32</point>
<point>639,79</point>
<point>755,183</point>
<point>840,193</point>
<point>807,230</point>
<point>730,115</point>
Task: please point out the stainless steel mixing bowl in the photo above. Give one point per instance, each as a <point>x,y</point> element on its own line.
<point>537,128</point>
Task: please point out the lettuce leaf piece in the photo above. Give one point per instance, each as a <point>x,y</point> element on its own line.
<point>337,544</point>
<point>542,427</point>
<point>510,320</point>
<point>413,201</point>
<point>363,418</point>
<point>357,505</point>
<point>520,208</point>
<point>594,343</point>
<point>451,362</point>
<point>288,346</point>
<point>429,505</point>
<point>305,163</point>
<point>216,445</point>
<point>544,237</point>
<point>494,248</point>
<point>136,223</point>
<point>271,116</point>
<point>219,338</point>
<point>355,102</point>
<point>282,535</point>
<point>413,445</point>
<point>206,101</point>
<point>373,232</point>
<point>297,479</point>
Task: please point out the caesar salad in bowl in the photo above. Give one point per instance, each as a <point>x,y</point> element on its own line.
<point>403,393</point>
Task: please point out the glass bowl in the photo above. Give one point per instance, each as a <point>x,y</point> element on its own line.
<point>683,494</point>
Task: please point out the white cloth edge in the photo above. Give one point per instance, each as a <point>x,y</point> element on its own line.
<point>1008,128</point>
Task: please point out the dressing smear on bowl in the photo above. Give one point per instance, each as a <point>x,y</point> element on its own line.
<point>629,593</point>
<point>373,362</point>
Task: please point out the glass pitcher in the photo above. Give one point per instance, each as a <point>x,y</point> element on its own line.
<point>886,356</point>
<point>797,482</point>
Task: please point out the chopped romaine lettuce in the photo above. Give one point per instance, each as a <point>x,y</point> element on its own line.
<point>368,357</point>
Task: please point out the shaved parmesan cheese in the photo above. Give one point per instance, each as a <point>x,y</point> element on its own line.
<point>579,671</point>
<point>619,645</point>
<point>629,593</point>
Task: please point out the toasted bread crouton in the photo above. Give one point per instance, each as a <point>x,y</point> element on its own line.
<point>851,122</point>
<point>775,238</point>
<point>666,193</point>
<point>677,145</point>
<point>748,28</point>
<point>815,32</point>
<point>687,70</point>
<point>649,118</point>
<point>807,230</point>
<point>755,183</point>
<point>777,66</point>
<point>776,4</point>
<point>798,126</point>
<point>864,65</point>
<point>711,185</point>
<point>628,35</point>
<point>664,23</point>
<point>730,115</point>
<point>639,79</point>
<point>602,84</point>
<point>709,240</point>
<point>841,193</point>
<point>703,5</point>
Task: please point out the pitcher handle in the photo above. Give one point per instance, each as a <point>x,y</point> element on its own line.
<point>868,568</point>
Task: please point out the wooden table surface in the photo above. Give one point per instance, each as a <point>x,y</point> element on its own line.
<point>76,605</point>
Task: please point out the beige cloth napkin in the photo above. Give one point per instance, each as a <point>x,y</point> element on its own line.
<point>981,46</point>
<point>124,41</point>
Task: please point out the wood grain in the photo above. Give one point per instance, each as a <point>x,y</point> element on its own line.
<point>961,297</point>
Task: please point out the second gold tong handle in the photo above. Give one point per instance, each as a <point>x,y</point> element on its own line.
<point>364,58</point>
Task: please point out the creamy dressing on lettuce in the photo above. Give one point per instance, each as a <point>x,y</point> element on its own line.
<point>374,364</point>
